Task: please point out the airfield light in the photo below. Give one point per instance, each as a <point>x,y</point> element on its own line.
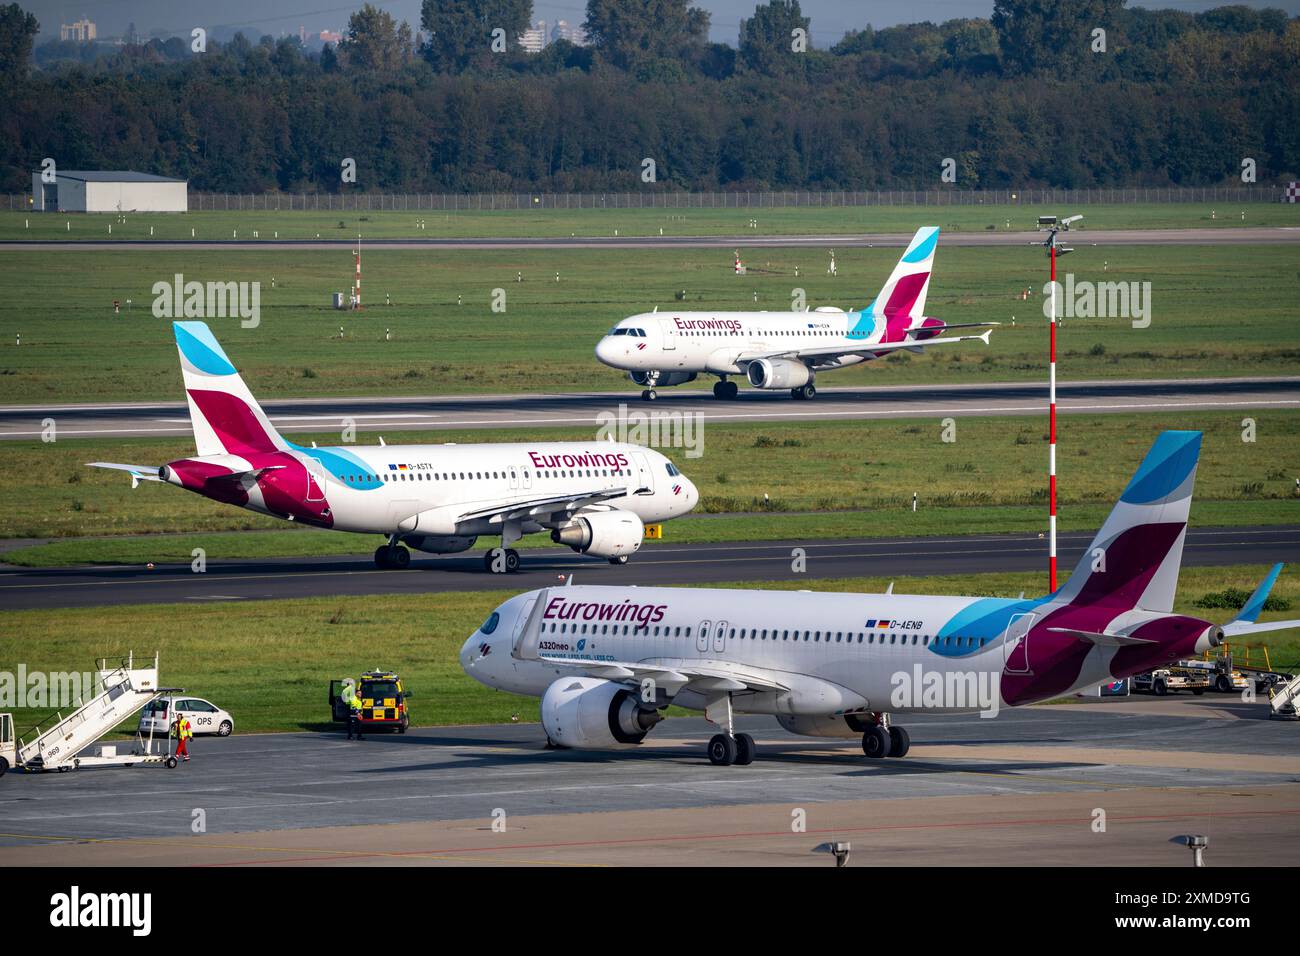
<point>1196,843</point>
<point>1052,226</point>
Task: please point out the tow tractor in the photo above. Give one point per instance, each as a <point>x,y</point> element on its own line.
<point>65,744</point>
<point>383,702</point>
<point>1170,680</point>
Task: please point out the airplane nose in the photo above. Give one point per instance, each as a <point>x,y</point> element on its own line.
<point>605,350</point>
<point>467,651</point>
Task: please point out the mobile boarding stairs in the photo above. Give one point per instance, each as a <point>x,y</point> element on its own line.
<point>120,692</point>
<point>1282,701</point>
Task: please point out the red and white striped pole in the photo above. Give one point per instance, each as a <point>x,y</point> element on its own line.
<point>357,287</point>
<point>1051,431</point>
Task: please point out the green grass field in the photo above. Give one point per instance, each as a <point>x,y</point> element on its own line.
<point>991,478</point>
<point>1215,310</point>
<point>810,220</point>
<point>275,678</point>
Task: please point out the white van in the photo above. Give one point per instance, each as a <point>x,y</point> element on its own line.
<point>205,717</point>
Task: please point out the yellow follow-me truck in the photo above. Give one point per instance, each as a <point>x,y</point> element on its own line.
<point>383,701</point>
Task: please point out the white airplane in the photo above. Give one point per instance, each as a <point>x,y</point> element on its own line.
<point>783,350</point>
<point>606,661</point>
<point>595,497</point>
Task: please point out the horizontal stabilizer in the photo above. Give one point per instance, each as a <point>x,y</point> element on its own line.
<point>138,473</point>
<point>1237,628</point>
<point>1101,639</point>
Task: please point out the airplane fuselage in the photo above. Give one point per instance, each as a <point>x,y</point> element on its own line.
<point>422,489</point>
<point>835,653</point>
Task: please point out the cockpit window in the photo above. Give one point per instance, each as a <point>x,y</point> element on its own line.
<point>672,469</point>
<point>491,623</point>
<point>618,331</point>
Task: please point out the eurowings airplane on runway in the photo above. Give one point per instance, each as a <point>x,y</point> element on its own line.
<point>606,661</point>
<point>783,350</point>
<point>593,496</point>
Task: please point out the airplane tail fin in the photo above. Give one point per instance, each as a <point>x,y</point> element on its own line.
<point>1135,558</point>
<point>225,416</point>
<point>901,303</point>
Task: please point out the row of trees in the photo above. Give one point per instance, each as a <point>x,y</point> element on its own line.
<point>1035,95</point>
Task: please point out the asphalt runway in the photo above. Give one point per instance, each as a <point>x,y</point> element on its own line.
<point>433,413</point>
<point>1250,235</point>
<point>1019,789</point>
<point>655,564</point>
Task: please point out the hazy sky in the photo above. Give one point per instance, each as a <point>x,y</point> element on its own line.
<point>830,18</point>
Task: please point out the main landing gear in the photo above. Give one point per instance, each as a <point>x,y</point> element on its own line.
<point>724,389</point>
<point>392,555</point>
<point>882,740</point>
<point>804,392</point>
<point>649,395</point>
<point>729,747</point>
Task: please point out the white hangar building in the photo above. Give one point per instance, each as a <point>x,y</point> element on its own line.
<point>109,191</point>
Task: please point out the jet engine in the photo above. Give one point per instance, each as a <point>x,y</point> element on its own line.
<point>778,373</point>
<point>588,713</point>
<point>661,379</point>
<point>605,534</point>
<point>439,543</point>
<point>848,725</point>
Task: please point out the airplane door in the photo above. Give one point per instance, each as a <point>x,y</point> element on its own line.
<point>645,477</point>
<point>720,637</point>
<point>315,480</point>
<point>1015,645</point>
<point>670,334</point>
<point>702,637</point>
<point>520,621</point>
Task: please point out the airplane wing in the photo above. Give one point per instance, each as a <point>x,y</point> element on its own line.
<point>835,351</point>
<point>1246,620</point>
<point>138,473</point>
<point>693,675</point>
<point>548,506</point>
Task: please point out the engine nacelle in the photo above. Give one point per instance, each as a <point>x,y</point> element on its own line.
<point>439,543</point>
<point>588,713</point>
<point>660,379</point>
<point>778,373</point>
<point>605,534</point>
<point>846,726</point>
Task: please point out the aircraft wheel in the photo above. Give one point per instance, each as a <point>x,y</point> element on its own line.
<point>875,742</point>
<point>722,750</point>
<point>899,742</point>
<point>512,560</point>
<point>733,390</point>
<point>796,393</point>
<point>719,389</point>
<point>808,392</point>
<point>649,395</point>
<point>381,556</point>
<point>400,557</point>
<point>620,559</point>
<point>744,750</point>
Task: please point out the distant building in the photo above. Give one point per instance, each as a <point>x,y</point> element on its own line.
<point>562,31</point>
<point>534,39</point>
<point>330,36</point>
<point>83,31</point>
<point>109,191</point>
